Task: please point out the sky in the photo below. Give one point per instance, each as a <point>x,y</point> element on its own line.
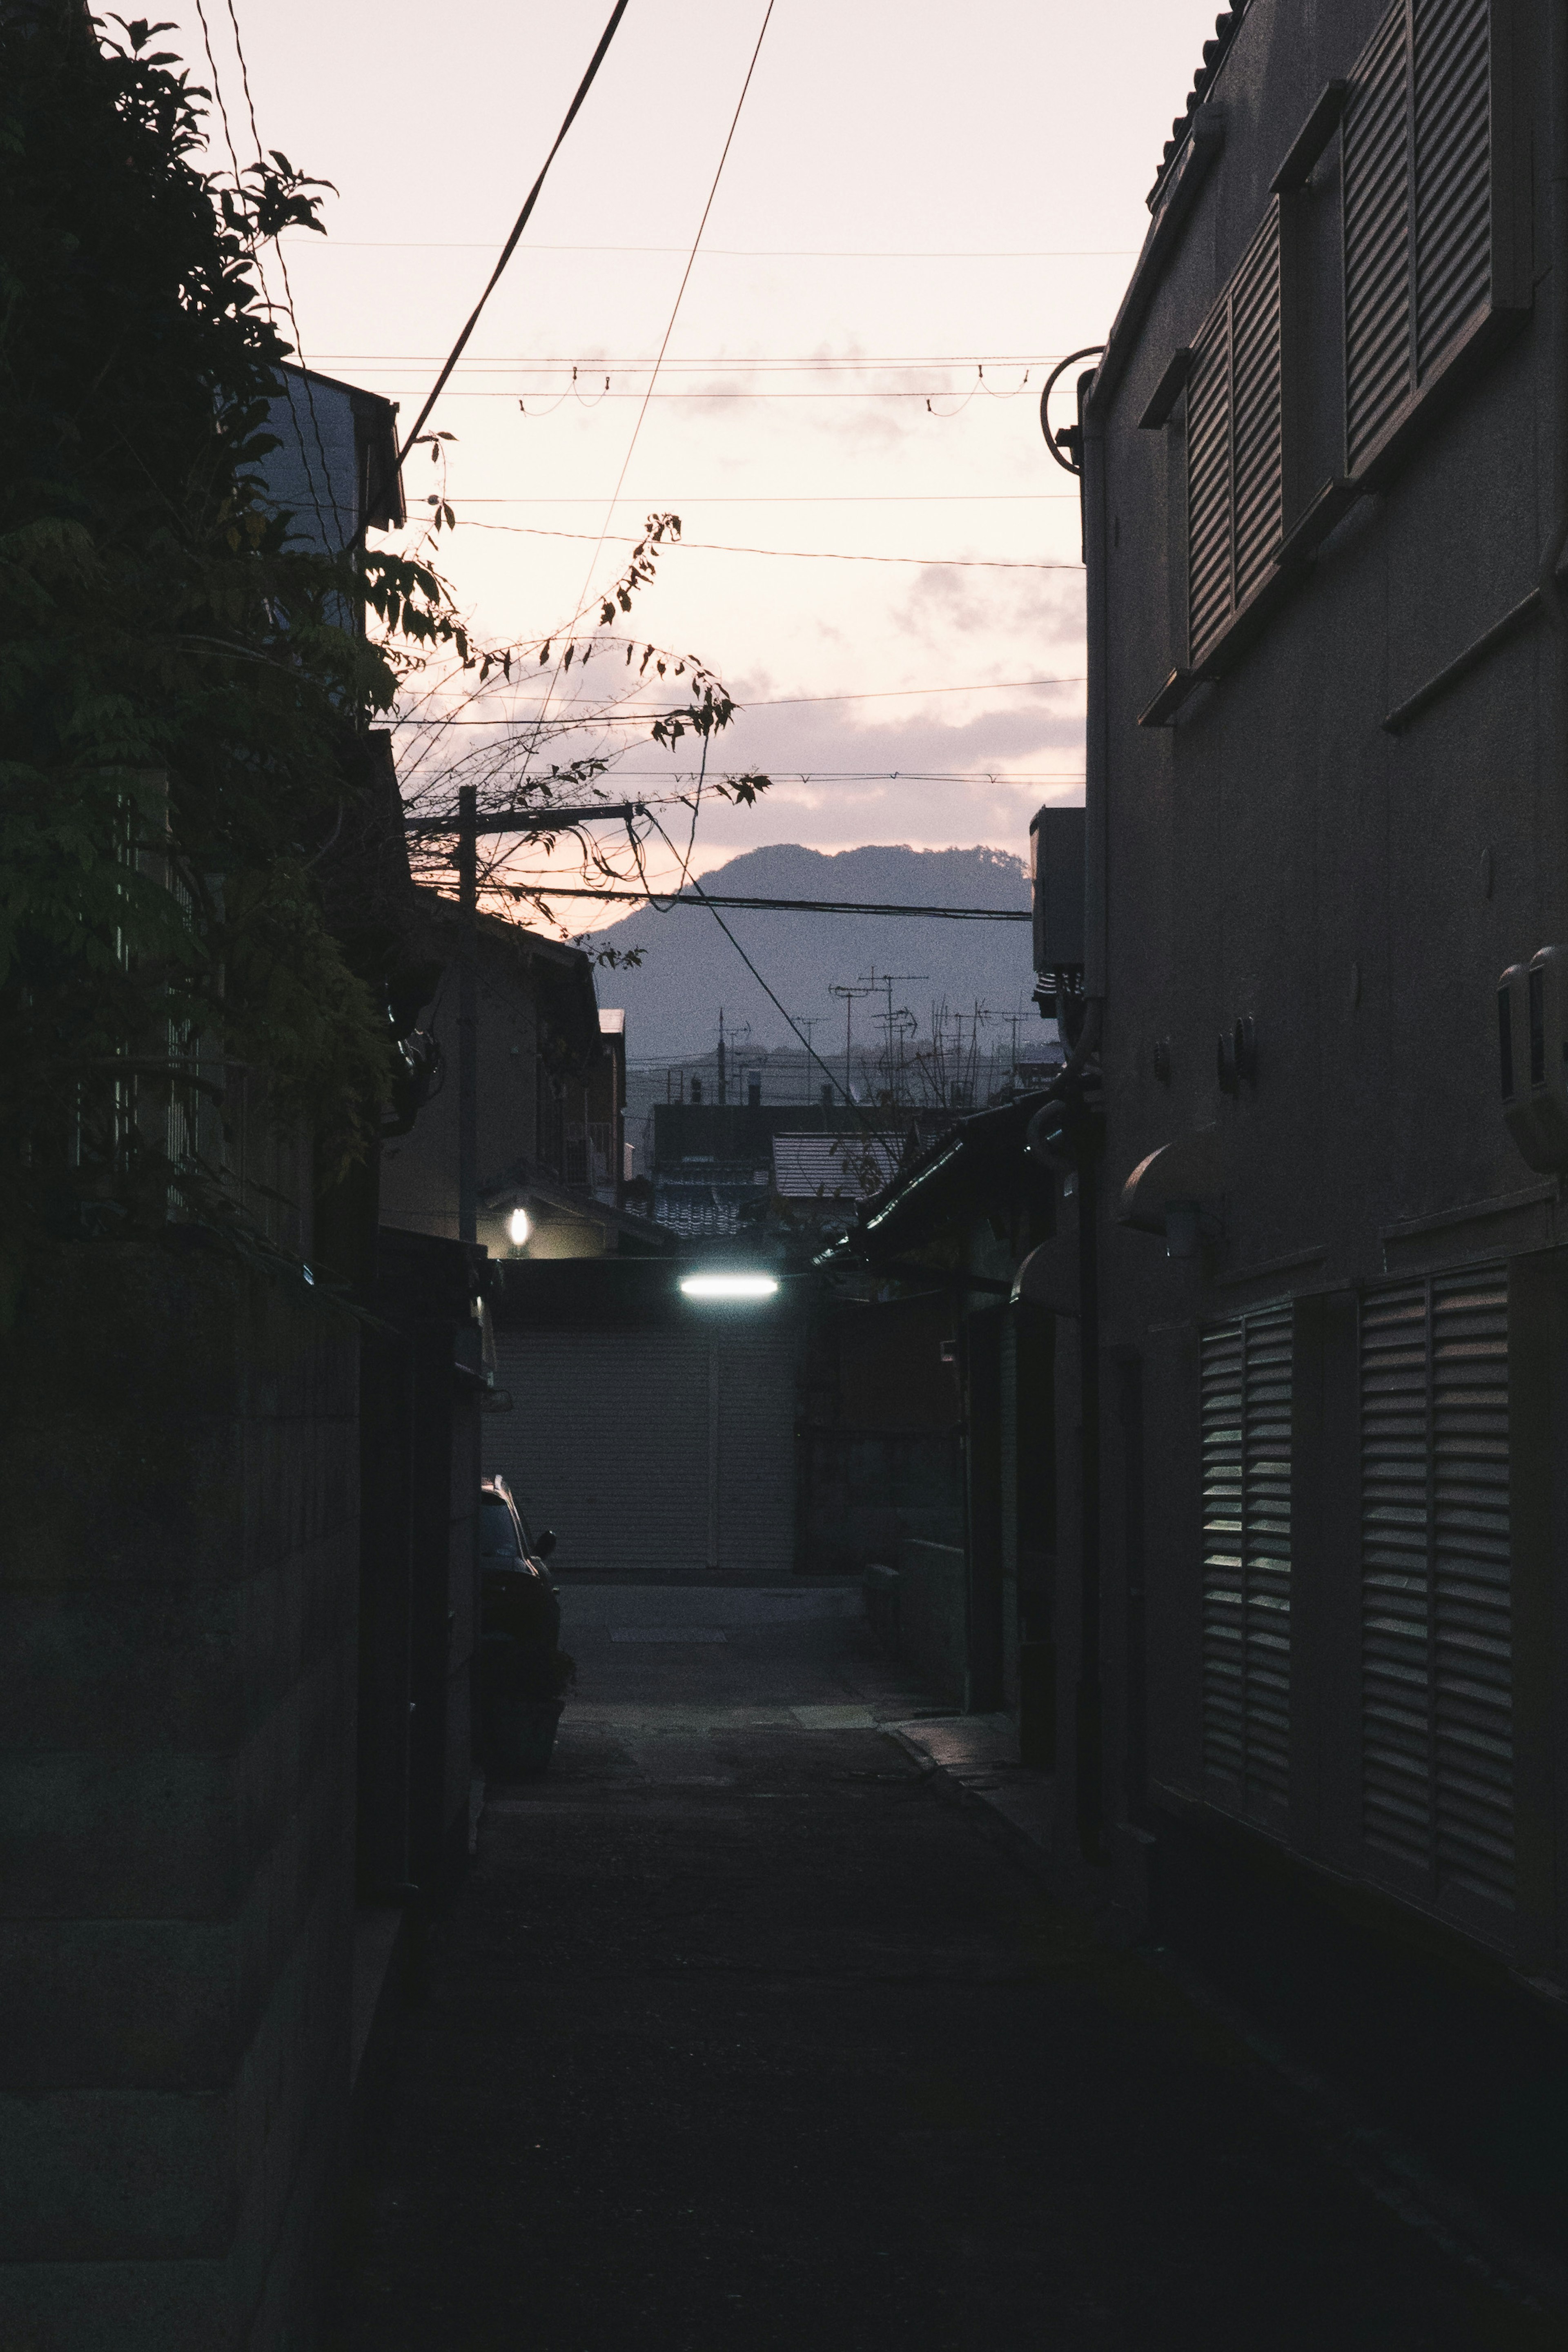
<point>922,207</point>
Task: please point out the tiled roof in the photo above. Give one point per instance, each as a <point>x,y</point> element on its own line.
<point>1226,25</point>
<point>834,1167</point>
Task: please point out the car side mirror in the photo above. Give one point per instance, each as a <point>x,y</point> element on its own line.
<point>546,1544</point>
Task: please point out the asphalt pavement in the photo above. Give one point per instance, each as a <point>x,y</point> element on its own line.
<point>747,2037</point>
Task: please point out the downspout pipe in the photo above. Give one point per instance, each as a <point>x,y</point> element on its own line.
<point>1090,1707</point>
<point>1097,735</point>
<point>1549,579</point>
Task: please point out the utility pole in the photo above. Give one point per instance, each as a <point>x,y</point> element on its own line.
<point>467,828</point>
<point>801,1023</point>
<point>722,1093</point>
<point>468,1013</point>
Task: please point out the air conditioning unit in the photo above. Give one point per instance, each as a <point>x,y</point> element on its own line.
<point>1532,1057</point>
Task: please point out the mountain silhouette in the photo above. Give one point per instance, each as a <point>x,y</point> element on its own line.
<point>690,971</point>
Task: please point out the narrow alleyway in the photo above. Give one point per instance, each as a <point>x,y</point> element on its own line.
<point>743,2037</point>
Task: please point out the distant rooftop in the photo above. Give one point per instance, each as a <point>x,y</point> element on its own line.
<point>846,1166</point>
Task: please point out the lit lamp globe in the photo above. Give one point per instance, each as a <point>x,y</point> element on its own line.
<point>518,1228</point>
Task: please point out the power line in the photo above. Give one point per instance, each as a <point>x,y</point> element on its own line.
<point>767,702</point>
<point>730,363</point>
<point>777,1000</point>
<point>734,124</point>
<point>908,392</point>
<point>795,498</point>
<point>669,329</point>
<point>776,906</point>
<point>605,37</point>
<point>733,252</point>
<point>876,776</point>
<point>799,554</point>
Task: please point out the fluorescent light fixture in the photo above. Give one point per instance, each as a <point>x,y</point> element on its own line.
<point>726,1286</point>
<point>518,1227</point>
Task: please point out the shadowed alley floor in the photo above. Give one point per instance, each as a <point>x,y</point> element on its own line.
<point>743,2037</point>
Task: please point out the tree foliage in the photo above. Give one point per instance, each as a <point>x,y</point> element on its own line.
<point>180,679</point>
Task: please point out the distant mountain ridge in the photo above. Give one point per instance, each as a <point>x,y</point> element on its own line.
<point>672,1000</point>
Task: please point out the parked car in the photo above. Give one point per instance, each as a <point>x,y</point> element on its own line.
<point>523,1671</point>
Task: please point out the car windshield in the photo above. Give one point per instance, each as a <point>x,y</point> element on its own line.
<point>497,1529</point>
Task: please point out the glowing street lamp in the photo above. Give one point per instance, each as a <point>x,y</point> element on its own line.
<point>518,1228</point>
<point>724,1289</point>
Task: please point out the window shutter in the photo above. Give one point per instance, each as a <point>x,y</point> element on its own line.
<point>1377,238</point>
<point>1236,444</point>
<point>1453,175</point>
<point>1210,588</point>
<point>1247,1402</point>
<point>1437,1666</point>
<point>1256,409</point>
<point>1428,194</point>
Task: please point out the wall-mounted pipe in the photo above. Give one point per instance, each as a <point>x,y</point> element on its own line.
<point>1549,580</point>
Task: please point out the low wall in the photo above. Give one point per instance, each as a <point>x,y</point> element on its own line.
<point>178,1570</point>
<point>865,1493</point>
<point>920,1609</point>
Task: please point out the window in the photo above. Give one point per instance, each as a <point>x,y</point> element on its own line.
<point>1429,213</point>
<point>1246,1399</point>
<point>1436,1630</point>
<point>1236,444</point>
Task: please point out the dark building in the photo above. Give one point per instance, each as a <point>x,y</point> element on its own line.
<point>1316,1570</point>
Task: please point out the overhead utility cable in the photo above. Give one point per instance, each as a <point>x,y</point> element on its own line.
<point>261,274</point>
<point>510,247</point>
<point>547,889</point>
<point>798,554</point>
<point>679,292</point>
<point>776,1002</point>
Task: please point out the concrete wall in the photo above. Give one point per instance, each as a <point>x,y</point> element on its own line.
<point>179,1500</point>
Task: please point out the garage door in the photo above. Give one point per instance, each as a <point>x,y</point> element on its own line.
<point>662,1450</point>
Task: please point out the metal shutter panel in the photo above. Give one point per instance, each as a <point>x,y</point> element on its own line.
<point>1210,583</point>
<point>756,1452</point>
<point>1267,1555</point>
<point>1437,1660</point>
<point>1377,240</point>
<point>1256,409</point>
<point>1246,1392</point>
<point>1453,173</point>
<point>1223,1508</point>
<point>608,1443</point>
<point>1395,1799</point>
<point>1472,1629</point>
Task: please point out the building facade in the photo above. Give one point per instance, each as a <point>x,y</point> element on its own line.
<point>1324,463</point>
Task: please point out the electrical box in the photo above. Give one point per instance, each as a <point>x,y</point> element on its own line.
<point>1056,840</point>
<point>1532,1057</point>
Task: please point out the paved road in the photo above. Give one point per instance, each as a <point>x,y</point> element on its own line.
<point>745,2041</point>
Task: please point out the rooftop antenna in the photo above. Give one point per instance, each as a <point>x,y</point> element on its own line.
<point>887,983</point>
<point>849,990</point>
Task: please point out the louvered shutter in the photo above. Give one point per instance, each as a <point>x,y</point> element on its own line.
<point>1425,207</point>
<point>1235,480</point>
<point>1378,360</point>
<point>1210,587</point>
<point>1437,1668</point>
<point>1256,409</point>
<point>1247,1403</point>
<point>1453,144</point>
